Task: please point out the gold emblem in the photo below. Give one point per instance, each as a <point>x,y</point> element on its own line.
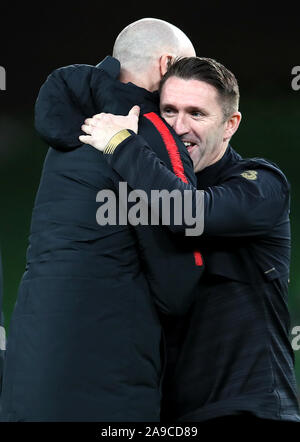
<point>250,174</point>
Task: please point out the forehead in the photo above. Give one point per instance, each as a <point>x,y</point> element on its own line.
<point>186,93</point>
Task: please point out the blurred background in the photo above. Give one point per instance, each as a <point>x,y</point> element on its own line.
<point>260,46</point>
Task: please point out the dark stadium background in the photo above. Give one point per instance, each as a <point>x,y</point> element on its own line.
<point>260,46</point>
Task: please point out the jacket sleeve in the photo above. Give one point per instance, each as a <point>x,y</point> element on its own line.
<point>249,203</point>
<point>241,206</point>
<point>69,95</point>
<point>171,265</point>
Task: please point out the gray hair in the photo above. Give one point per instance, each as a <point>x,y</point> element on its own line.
<point>143,41</point>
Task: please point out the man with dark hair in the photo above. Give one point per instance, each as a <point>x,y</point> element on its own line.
<point>211,72</point>
<point>211,77</point>
<point>229,357</point>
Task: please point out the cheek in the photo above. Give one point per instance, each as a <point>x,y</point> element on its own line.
<point>168,119</point>
<point>214,138</point>
<point>197,154</point>
<point>204,134</point>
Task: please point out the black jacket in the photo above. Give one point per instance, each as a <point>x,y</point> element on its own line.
<point>85,339</point>
<point>231,353</point>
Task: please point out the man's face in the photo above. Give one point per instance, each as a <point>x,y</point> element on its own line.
<point>192,108</point>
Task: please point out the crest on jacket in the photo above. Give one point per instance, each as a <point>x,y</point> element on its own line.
<point>250,174</point>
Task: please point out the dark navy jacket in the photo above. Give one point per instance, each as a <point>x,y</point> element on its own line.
<point>85,340</point>
<point>231,352</point>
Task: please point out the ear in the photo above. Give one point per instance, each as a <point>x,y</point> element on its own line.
<point>231,125</point>
<point>164,63</point>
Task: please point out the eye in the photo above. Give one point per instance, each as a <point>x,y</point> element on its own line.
<point>197,114</point>
<point>169,111</point>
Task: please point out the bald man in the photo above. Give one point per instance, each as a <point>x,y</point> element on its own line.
<point>85,340</point>
<point>145,48</point>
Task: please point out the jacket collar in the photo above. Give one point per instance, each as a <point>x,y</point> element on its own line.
<point>148,101</point>
<point>110,65</point>
<point>211,175</point>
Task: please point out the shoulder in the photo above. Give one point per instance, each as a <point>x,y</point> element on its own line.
<point>261,173</point>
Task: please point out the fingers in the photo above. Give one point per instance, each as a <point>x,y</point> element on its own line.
<point>99,116</point>
<point>90,121</point>
<point>85,139</point>
<point>93,121</point>
<point>135,110</point>
<point>87,128</point>
<point>104,125</point>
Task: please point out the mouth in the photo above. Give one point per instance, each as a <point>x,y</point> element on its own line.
<point>190,146</point>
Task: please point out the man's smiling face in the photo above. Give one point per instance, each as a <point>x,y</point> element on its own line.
<point>193,109</point>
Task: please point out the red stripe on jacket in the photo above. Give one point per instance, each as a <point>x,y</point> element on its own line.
<point>175,159</point>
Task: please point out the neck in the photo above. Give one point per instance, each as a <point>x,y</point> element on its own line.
<point>220,154</point>
<point>142,81</point>
<point>207,162</point>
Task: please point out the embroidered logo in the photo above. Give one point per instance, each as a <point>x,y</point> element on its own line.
<point>250,175</point>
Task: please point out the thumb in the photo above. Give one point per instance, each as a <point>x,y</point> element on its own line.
<point>135,110</point>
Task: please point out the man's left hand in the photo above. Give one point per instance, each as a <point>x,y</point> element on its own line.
<point>102,127</point>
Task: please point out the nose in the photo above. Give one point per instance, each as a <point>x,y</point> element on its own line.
<point>180,124</point>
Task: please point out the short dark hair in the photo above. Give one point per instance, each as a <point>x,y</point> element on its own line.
<point>212,72</point>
